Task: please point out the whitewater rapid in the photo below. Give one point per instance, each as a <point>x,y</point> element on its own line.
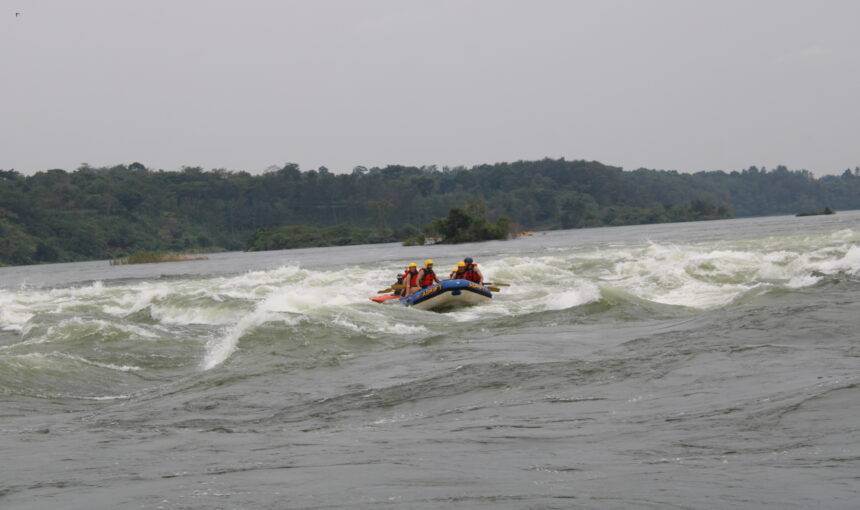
<point>213,315</point>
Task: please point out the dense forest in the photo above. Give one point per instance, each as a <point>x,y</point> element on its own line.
<point>98,213</point>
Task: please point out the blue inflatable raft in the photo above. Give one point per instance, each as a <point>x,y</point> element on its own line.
<point>449,294</point>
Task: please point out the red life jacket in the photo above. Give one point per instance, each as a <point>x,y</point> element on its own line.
<point>471,275</point>
<point>411,278</point>
<point>428,279</point>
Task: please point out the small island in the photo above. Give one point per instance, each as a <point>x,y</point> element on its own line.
<point>466,225</point>
<point>824,211</point>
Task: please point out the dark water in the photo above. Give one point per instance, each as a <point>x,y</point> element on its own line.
<point>702,365</point>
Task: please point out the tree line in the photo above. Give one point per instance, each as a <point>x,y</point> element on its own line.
<point>98,213</point>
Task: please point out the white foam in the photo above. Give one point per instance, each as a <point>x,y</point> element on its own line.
<point>226,309</point>
<point>402,329</point>
<point>697,276</point>
<point>13,320</point>
<point>588,293</point>
<point>847,263</point>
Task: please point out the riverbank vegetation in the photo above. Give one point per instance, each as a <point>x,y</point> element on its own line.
<point>303,236</point>
<point>99,213</point>
<point>154,257</point>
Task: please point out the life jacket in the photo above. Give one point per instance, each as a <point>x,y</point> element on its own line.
<point>471,275</point>
<point>428,278</point>
<point>411,278</point>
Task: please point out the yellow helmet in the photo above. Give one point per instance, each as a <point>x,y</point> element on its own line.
<point>428,262</point>
<point>413,264</point>
<point>461,264</point>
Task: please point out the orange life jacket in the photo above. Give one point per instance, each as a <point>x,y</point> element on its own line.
<point>428,279</point>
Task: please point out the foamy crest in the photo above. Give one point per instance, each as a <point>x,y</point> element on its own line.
<point>697,276</point>
<point>12,319</point>
<point>219,349</point>
<point>571,298</point>
<point>847,263</point>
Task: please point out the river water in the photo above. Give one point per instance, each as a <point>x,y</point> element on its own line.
<point>697,365</point>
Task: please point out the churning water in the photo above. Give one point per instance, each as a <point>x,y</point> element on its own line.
<point>688,365</point>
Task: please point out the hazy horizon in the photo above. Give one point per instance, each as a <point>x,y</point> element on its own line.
<point>666,85</point>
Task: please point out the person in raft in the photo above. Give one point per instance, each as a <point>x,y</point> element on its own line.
<point>472,273</point>
<point>400,285</point>
<point>410,279</point>
<point>458,271</point>
<point>427,277</point>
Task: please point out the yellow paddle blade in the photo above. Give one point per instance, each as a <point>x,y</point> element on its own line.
<point>385,291</point>
<point>493,288</point>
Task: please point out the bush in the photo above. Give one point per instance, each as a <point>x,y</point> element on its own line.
<point>461,226</point>
<point>416,240</point>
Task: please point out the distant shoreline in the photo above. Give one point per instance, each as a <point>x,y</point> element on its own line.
<point>112,212</point>
<point>532,233</point>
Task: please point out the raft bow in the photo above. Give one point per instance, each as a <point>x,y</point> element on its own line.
<point>449,294</point>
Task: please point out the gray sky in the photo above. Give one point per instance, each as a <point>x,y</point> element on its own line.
<point>686,85</point>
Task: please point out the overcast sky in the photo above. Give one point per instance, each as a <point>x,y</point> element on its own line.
<point>686,85</point>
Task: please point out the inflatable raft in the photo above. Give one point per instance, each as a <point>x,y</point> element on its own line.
<point>449,294</point>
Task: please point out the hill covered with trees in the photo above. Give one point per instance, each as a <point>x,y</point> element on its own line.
<point>99,213</point>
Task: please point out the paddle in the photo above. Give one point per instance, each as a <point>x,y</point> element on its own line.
<point>391,289</point>
<point>494,287</point>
